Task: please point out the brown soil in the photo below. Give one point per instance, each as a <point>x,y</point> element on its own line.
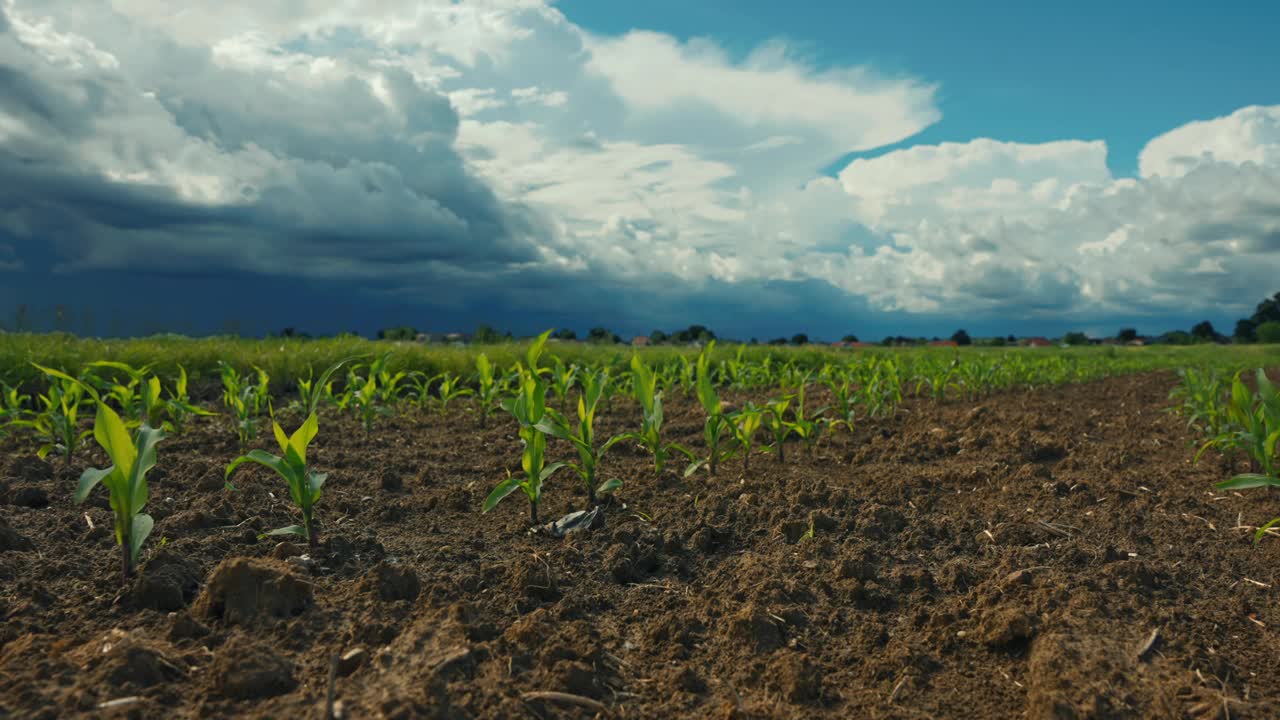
<point>1044,555</point>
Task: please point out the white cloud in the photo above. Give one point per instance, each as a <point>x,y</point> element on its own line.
<point>412,141</point>
<point>1248,135</point>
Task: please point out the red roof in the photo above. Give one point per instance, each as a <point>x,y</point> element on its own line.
<point>943,343</point>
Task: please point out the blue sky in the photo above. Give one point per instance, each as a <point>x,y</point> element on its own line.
<point>761,168</point>
<point>1009,69</point>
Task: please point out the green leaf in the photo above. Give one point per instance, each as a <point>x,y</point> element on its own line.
<point>1248,481</point>
<point>282,440</point>
<point>315,481</point>
<point>551,469</point>
<point>1257,536</point>
<point>138,532</point>
<point>304,435</point>
<point>608,487</point>
<point>290,530</point>
<point>89,479</point>
<point>504,488</point>
<point>110,432</point>
<point>260,457</point>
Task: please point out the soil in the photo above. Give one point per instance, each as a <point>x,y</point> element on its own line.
<point>1049,554</point>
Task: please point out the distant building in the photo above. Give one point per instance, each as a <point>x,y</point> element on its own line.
<point>1035,342</point>
<point>943,343</point>
<point>640,340</point>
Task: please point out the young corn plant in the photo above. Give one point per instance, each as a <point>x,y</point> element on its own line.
<point>844,408</point>
<point>449,389</point>
<point>746,423</point>
<point>56,420</point>
<point>717,431</point>
<point>304,485</point>
<point>13,405</point>
<point>644,388</point>
<point>1256,420</point>
<point>178,406</point>
<point>388,383</point>
<point>244,399</point>
<point>528,407</point>
<point>563,378</point>
<point>581,435</point>
<point>313,391</point>
<point>126,479</point>
<point>775,421</point>
<point>806,427</point>
<point>366,398</point>
<point>487,388</point>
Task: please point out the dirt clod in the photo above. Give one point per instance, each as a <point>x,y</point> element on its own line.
<point>245,670</point>
<point>393,582</point>
<point>166,582</point>
<point>242,589</point>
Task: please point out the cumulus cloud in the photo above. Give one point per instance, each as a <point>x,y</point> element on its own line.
<point>490,151</point>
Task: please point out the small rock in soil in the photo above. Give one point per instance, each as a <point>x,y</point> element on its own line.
<point>244,670</point>
<point>11,540</point>
<point>166,582</point>
<point>30,496</point>
<point>286,550</point>
<point>185,627</point>
<point>241,589</point>
<point>352,660</point>
<point>392,582</point>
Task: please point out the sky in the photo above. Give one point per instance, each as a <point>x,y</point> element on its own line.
<point>762,168</point>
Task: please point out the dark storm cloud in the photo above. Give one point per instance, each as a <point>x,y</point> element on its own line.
<point>327,182</point>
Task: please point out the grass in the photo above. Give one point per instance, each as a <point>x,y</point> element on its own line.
<point>288,359</point>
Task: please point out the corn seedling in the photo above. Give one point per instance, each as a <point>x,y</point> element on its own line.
<point>717,428</point>
<point>487,388</point>
<point>806,427</point>
<point>746,423</point>
<point>775,421</point>
<point>1257,417</point>
<point>563,378</point>
<point>366,399</point>
<point>1201,395</point>
<point>244,399</point>
<point>582,435</point>
<point>178,405</point>
<point>528,408</point>
<point>13,405</point>
<point>313,390</point>
<point>844,407</point>
<point>131,458</point>
<point>449,389</point>
<point>388,383</point>
<point>56,419</point>
<point>644,388</point>
<point>304,485</point>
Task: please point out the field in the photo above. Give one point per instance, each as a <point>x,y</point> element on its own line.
<point>1014,533</point>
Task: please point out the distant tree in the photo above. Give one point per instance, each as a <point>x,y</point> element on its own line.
<point>602,336</point>
<point>1178,337</point>
<point>960,337</point>
<point>1127,335</point>
<point>1267,311</point>
<point>778,341</point>
<point>403,332</point>
<point>1012,339</point>
<point>1269,332</point>
<point>799,339</point>
<point>1075,338</point>
<point>850,338</point>
<point>753,341</point>
<point>693,334</point>
<point>1203,332</point>
<point>1246,331</point>
<point>565,334</point>
<point>657,337</point>
<point>486,335</point>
